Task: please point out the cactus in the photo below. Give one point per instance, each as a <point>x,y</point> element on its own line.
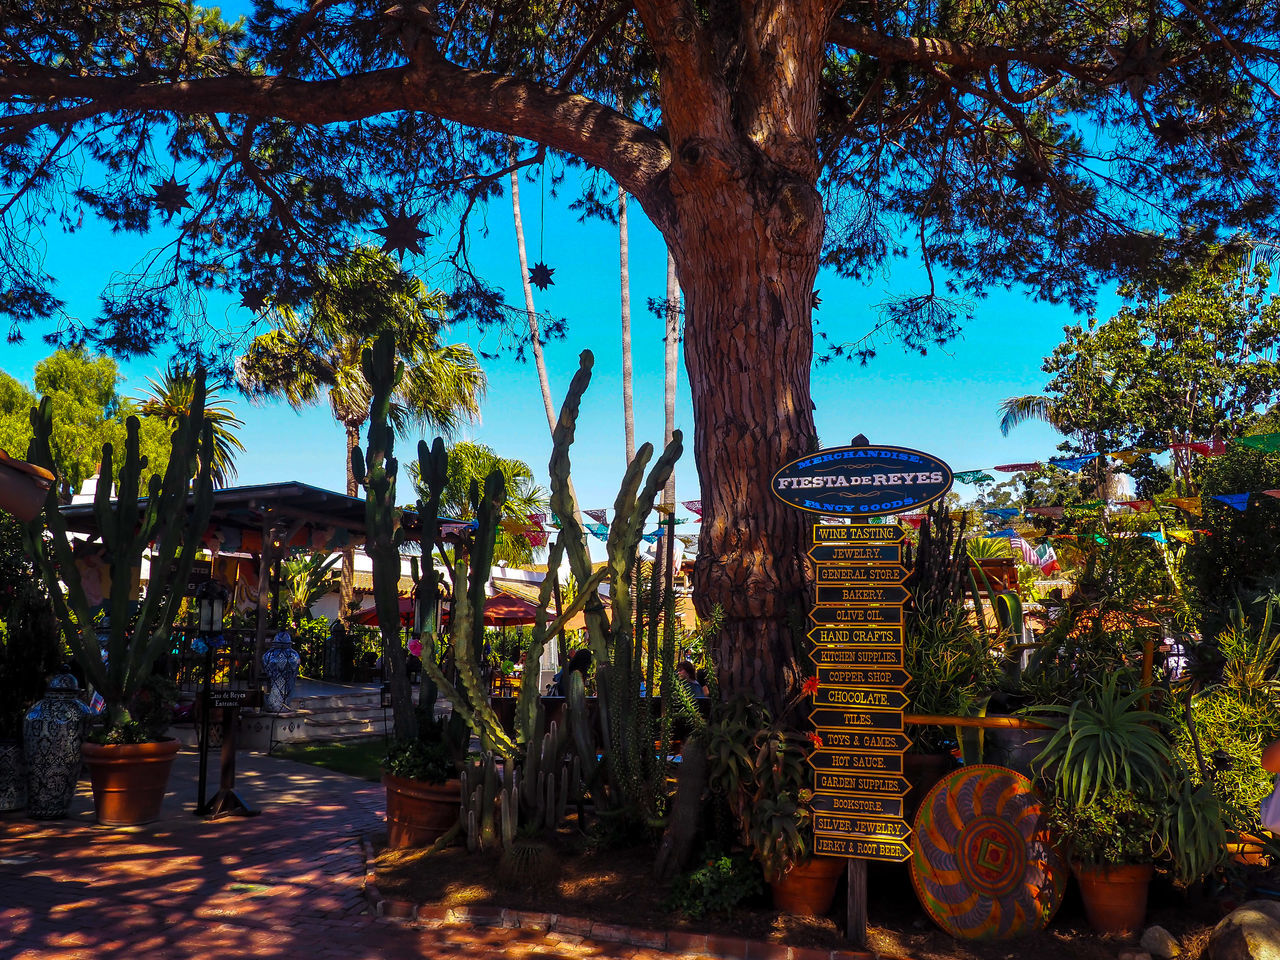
<point>633,776</point>
<point>136,634</point>
<point>376,471</point>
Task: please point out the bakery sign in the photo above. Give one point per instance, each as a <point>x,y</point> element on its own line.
<point>863,481</point>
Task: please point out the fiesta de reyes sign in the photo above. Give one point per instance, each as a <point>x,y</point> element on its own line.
<point>863,481</point>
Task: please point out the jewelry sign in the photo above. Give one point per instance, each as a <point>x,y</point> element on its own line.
<point>856,629</point>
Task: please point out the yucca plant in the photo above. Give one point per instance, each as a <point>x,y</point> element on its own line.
<point>1104,742</point>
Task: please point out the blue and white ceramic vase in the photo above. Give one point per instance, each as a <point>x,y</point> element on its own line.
<point>13,776</point>
<point>51,734</point>
<point>280,667</point>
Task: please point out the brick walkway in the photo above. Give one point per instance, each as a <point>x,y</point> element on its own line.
<point>285,884</point>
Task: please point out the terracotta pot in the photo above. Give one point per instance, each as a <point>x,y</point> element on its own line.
<point>807,889</point>
<point>1115,895</point>
<point>129,779</point>
<point>24,487</point>
<point>420,813</point>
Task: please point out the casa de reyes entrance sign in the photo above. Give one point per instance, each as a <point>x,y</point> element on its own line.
<point>855,627</point>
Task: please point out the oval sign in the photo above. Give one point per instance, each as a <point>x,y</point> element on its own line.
<point>863,481</point>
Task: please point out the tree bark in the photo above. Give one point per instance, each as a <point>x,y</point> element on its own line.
<point>748,349</point>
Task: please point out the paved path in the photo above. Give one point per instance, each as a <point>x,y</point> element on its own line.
<point>285,884</point>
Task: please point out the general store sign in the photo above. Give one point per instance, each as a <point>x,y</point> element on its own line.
<point>862,481</point>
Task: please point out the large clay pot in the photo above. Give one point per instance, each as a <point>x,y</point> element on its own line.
<point>808,888</point>
<point>280,666</point>
<point>129,779</point>
<point>1115,895</point>
<point>420,813</point>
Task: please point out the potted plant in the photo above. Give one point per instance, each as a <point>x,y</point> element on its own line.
<point>1111,769</point>
<point>759,764</point>
<point>421,777</point>
<point>119,641</point>
<point>1111,840</point>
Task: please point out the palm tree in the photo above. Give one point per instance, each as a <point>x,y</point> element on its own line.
<point>471,462</point>
<point>624,271</point>
<point>306,579</point>
<point>535,334</point>
<point>1018,410</point>
<point>170,398</point>
<point>307,356</point>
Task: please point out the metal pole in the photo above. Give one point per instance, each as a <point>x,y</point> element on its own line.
<point>202,807</point>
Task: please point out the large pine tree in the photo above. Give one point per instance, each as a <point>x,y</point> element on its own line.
<point>1040,143</point>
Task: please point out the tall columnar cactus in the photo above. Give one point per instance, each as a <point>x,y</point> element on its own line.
<point>376,470</point>
<point>172,518</point>
<point>633,772</point>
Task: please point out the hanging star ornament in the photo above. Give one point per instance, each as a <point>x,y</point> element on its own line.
<point>1026,173</point>
<point>170,196</point>
<point>540,275</point>
<point>253,299</point>
<point>401,232</point>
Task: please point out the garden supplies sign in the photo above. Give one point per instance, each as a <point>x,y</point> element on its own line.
<point>856,629</point>
<point>863,481</point>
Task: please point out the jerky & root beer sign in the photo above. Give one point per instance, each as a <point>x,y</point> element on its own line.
<point>863,481</point>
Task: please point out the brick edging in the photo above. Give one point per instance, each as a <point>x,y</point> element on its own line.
<point>670,941</point>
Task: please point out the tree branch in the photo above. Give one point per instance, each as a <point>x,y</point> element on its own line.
<point>632,154</point>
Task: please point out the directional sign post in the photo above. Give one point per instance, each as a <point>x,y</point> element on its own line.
<point>859,656</point>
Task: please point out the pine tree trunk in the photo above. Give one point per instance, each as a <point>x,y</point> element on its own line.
<point>748,349</point>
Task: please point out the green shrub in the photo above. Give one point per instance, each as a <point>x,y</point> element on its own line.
<point>718,886</point>
<point>1114,828</point>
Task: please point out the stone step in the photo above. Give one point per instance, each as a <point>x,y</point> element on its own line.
<point>320,730</point>
<point>371,699</point>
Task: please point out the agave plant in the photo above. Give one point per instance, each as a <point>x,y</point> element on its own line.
<point>1104,742</point>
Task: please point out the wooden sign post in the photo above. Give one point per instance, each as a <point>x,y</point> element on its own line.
<point>858,653</point>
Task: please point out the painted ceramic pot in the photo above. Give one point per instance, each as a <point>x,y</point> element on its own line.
<point>280,666</point>
<point>51,733</point>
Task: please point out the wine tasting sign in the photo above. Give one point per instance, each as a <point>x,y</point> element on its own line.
<point>865,481</point>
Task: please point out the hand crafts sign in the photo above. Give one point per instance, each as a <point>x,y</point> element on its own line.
<point>858,656</point>
<point>863,481</point>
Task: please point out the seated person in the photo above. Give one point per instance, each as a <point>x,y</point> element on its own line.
<point>581,662</point>
<point>687,676</point>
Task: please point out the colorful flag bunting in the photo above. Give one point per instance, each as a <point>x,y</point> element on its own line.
<point>1047,559</point>
<point>596,515</point>
<point>1016,467</point>
<point>1272,493</point>
<point>537,518</point>
<point>1237,501</point>
<point>1266,442</point>
<point>1004,513</point>
<point>1155,535</point>
<point>1028,552</point>
<point>652,536</point>
<point>1002,533</point>
<point>1183,535</point>
<point>1074,464</point>
<point>597,530</point>
<point>694,505</point>
<point>1189,504</point>
<point>1056,512</point>
<point>1139,505</point>
<point>1209,448</point>
<point>973,476</point>
<point>537,538</point>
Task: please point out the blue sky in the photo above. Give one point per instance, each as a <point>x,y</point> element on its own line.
<point>944,403</point>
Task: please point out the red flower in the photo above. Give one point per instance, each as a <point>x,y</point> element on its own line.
<point>815,740</point>
<point>810,685</point>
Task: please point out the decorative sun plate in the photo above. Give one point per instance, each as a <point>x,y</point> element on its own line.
<point>982,862</point>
